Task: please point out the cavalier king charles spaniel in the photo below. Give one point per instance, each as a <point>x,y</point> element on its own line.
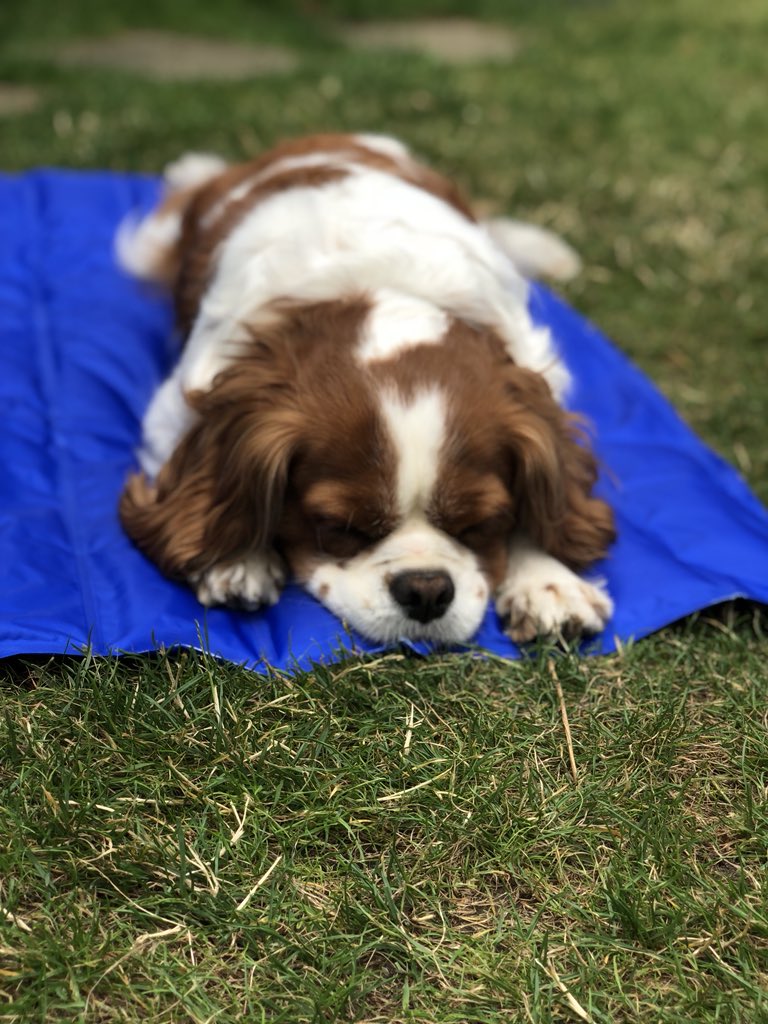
<point>362,400</point>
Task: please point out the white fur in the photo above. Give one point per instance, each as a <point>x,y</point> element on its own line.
<point>535,251</point>
<point>273,170</point>
<point>417,430</point>
<point>253,581</point>
<point>365,232</point>
<point>358,591</point>
<point>140,245</point>
<point>541,596</point>
<point>193,169</point>
<point>386,145</point>
<point>369,231</point>
<point>167,419</point>
<point>397,322</point>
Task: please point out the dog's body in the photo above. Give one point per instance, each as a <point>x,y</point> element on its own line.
<point>362,400</point>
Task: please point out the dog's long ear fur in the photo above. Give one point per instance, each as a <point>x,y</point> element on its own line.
<point>221,492</point>
<point>553,474</point>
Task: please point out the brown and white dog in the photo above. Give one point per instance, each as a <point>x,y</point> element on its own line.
<point>362,400</point>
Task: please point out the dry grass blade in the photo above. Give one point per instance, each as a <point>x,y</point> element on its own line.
<point>14,919</point>
<point>573,1003</point>
<point>249,896</point>
<point>566,723</point>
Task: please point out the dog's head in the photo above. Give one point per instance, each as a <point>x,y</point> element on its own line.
<point>392,482</point>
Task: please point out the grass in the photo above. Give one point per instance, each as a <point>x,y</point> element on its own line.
<point>401,839</point>
<point>390,840</point>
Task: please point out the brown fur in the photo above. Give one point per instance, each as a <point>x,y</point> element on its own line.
<point>553,475</point>
<point>291,401</point>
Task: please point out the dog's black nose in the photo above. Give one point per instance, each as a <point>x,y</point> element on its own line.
<point>423,596</point>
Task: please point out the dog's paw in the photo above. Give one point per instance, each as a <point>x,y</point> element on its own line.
<point>547,599</point>
<point>253,581</point>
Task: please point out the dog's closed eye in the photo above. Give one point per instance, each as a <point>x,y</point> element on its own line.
<point>479,533</point>
<point>341,538</point>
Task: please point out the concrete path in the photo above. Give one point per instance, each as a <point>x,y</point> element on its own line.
<point>169,56</point>
<point>453,40</point>
<point>172,56</point>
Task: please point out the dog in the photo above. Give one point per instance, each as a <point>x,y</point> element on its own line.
<point>362,400</point>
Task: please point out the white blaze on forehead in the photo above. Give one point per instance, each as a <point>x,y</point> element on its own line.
<point>417,427</point>
<point>398,321</point>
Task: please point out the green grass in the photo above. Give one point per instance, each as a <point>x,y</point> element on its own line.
<point>403,839</point>
<point>390,840</point>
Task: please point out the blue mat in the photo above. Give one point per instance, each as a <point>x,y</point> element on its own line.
<point>83,347</point>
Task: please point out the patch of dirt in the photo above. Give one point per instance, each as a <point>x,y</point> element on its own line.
<point>168,56</point>
<point>454,40</point>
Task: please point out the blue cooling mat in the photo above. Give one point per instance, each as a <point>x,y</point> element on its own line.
<point>83,347</point>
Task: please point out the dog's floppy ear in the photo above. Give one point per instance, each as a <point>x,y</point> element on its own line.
<point>553,473</point>
<point>221,492</point>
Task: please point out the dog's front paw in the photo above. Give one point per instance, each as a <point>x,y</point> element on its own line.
<point>546,599</point>
<point>251,582</point>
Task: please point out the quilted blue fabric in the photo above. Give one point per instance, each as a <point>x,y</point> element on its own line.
<point>83,347</point>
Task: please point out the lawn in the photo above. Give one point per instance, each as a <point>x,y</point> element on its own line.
<point>446,839</point>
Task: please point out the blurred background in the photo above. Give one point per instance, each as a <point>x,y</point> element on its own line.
<point>637,131</point>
